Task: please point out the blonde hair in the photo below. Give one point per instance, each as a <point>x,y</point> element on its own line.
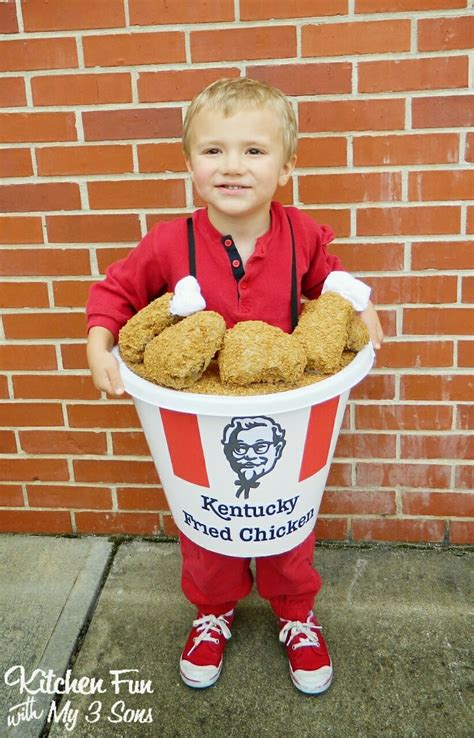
<point>231,95</point>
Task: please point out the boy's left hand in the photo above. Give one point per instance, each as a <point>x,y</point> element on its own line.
<point>371,319</point>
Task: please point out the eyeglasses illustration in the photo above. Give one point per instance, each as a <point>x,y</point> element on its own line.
<point>259,448</point>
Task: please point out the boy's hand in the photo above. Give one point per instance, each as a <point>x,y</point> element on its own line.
<point>104,367</point>
<point>371,319</point>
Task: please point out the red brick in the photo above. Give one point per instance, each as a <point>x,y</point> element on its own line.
<point>250,10</point>
<point>418,148</point>
<point>403,417</point>
<point>11,495</point>
<point>445,255</point>
<point>411,354</point>
<point>331,529</point>
<point>27,357</point>
<point>235,44</point>
<point>130,443</point>
<point>46,261</point>
<point>108,256</point>
<point>7,445</point>
<point>375,387</point>
<point>55,15</point>
<point>461,532</point>
<point>161,157</point>
<point>403,475</point>
<point>133,49</point>
<point>21,469</point>
<point>154,218</point>
<point>63,160</point>
<point>69,293</point>
<point>399,6</point>
<point>352,115</point>
<point>116,125</point>
<point>340,220</point>
<point>467,289</point>
<point>354,187</point>
<point>35,521</point>
<point>184,84</point>
<point>441,504</point>
<point>325,78</point>
<point>358,503</point>
<point>447,446</point>
<point>464,477</point>
<point>443,112</point>
<point>437,321</point>
<point>465,417</point>
<point>92,229</point>
<point>414,74</point>
<point>51,196</point>
<point>12,91</point>
<point>466,353</point>
<point>8,20</point>
<point>38,53</point>
<point>120,415</point>
<point>469,147</point>
<point>52,387</point>
<point>170,529</point>
<point>370,37</point>
<point>45,325</point>
<point>15,163</point>
<point>115,471</point>
<point>407,221</point>
<point>398,530</point>
<point>29,127</point>
<point>28,414</point>
<point>440,289</point>
<point>74,355</point>
<point>141,498</point>
<point>365,446</point>
<point>82,89</point>
<point>23,294</point>
<point>69,496</point>
<point>470,220</point>
<point>340,475</point>
<point>322,152</point>
<point>145,13</point>
<point>63,442</point>
<point>4,389</point>
<point>446,387</point>
<point>370,256</point>
<point>140,194</point>
<point>439,185</point>
<point>110,523</point>
<point>20,230</point>
<point>435,34</point>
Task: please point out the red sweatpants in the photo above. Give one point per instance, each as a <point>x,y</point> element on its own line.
<point>214,582</point>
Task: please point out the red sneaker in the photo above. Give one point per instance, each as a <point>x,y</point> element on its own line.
<point>201,661</point>
<point>310,663</point>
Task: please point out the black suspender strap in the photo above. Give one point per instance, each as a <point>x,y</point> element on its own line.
<point>191,248</point>
<point>294,281</point>
<point>294,276</point>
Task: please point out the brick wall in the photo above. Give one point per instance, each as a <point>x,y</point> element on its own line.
<point>92,97</point>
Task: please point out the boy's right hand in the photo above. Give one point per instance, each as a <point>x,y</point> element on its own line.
<point>103,365</point>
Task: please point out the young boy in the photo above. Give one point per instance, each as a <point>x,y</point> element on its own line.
<point>239,142</point>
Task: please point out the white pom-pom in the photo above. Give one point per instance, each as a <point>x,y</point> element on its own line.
<point>187,298</point>
<point>357,292</point>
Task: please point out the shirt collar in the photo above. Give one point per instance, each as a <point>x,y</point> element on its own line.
<point>206,229</point>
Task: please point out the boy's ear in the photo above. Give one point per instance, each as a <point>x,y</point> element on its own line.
<point>287,170</point>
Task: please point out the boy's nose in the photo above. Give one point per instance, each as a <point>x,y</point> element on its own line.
<point>232,163</point>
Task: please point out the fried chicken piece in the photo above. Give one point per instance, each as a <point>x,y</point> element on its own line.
<point>323,330</point>
<point>254,351</point>
<point>210,384</point>
<point>178,356</point>
<point>358,334</point>
<point>142,327</point>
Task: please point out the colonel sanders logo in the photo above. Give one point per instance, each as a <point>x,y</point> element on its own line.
<point>252,447</point>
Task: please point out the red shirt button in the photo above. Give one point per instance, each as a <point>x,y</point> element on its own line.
<point>236,263</point>
<point>227,242</point>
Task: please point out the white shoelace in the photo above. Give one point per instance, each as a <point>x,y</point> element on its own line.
<point>206,625</point>
<point>294,628</point>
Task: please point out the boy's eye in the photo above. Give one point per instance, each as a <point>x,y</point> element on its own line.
<point>211,151</point>
<point>254,151</point>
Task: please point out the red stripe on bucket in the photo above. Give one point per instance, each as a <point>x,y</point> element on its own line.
<point>185,447</point>
<point>318,437</point>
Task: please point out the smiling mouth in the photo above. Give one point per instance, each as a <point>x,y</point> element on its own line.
<point>232,187</point>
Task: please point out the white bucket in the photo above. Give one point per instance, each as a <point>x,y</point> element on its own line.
<point>244,475</point>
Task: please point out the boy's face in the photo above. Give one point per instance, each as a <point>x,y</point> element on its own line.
<point>237,162</point>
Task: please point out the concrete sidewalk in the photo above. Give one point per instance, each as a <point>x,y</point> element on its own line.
<point>396,619</point>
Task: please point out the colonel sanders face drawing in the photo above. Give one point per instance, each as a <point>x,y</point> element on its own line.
<point>252,447</point>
